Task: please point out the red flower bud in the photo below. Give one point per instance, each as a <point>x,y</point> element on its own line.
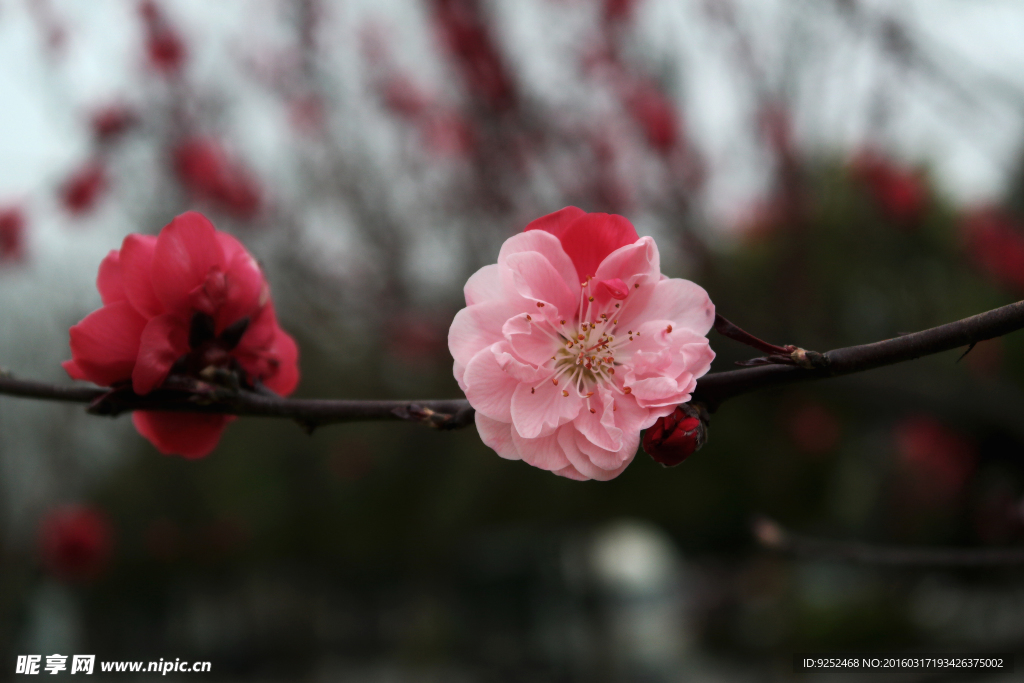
<point>675,437</point>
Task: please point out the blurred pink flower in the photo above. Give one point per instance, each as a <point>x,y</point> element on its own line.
<point>574,342</point>
<point>75,542</point>
<point>193,300</point>
<point>12,234</point>
<point>206,171</point>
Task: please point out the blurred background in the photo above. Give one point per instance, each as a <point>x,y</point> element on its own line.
<point>832,172</point>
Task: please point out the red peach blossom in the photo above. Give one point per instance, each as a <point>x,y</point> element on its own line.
<point>899,192</point>
<point>464,31</point>
<point>164,46</point>
<point>656,116</point>
<point>574,342</point>
<point>110,122</point>
<point>84,187</point>
<point>12,234</point>
<point>996,242</point>
<point>191,300</point>
<point>206,171</point>
<point>75,542</point>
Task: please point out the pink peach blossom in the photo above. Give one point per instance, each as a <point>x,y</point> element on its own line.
<point>574,342</point>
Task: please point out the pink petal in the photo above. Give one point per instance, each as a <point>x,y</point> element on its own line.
<point>531,275</point>
<point>484,285</point>
<point>599,426</point>
<point>105,344</point>
<point>538,411</point>
<point>164,340</point>
<point>192,435</point>
<point>496,436</point>
<point>474,328</point>
<point>528,341</point>
<point>571,472</point>
<point>592,237</point>
<point>186,251</point>
<point>556,223</point>
<point>569,439</point>
<point>109,279</point>
<point>550,248</point>
<point>488,388</point>
<point>543,452</point>
<point>683,303</point>
<point>137,252</point>
<point>598,455</point>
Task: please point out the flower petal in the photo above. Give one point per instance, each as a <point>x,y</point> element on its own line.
<point>543,452</point>
<point>484,285</point>
<point>590,238</point>
<point>108,282</point>
<point>187,249</point>
<point>538,411</point>
<point>531,275</point>
<point>548,246</point>
<point>474,328</point>
<point>683,303</point>
<point>556,223</point>
<point>497,436</point>
<point>488,388</point>
<point>105,344</point>
<point>192,435</point>
<point>246,286</point>
<point>137,252</point>
<point>163,341</point>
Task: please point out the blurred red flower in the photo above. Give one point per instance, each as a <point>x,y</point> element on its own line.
<point>899,192</point>
<point>164,46</point>
<point>12,234</point>
<point>464,31</point>
<point>75,542</point>
<point>935,453</point>
<point>656,116</point>
<point>995,241</point>
<point>204,168</point>
<point>813,428</point>
<point>110,122</point>
<point>192,301</point>
<point>83,188</point>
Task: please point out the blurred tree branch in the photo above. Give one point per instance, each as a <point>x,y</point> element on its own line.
<point>770,535</point>
<point>181,394</point>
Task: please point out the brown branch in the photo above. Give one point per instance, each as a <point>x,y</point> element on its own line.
<point>184,395</point>
<point>712,390</point>
<point>771,536</point>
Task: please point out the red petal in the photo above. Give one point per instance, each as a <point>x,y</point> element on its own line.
<point>164,341</point>
<point>286,353</point>
<point>192,435</point>
<point>137,253</point>
<point>105,344</point>
<point>558,222</point>
<point>109,279</point>
<point>245,283</point>
<point>186,250</point>
<point>615,288</point>
<point>591,237</point>
<point>75,372</point>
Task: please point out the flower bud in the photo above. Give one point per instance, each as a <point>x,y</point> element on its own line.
<point>674,438</point>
